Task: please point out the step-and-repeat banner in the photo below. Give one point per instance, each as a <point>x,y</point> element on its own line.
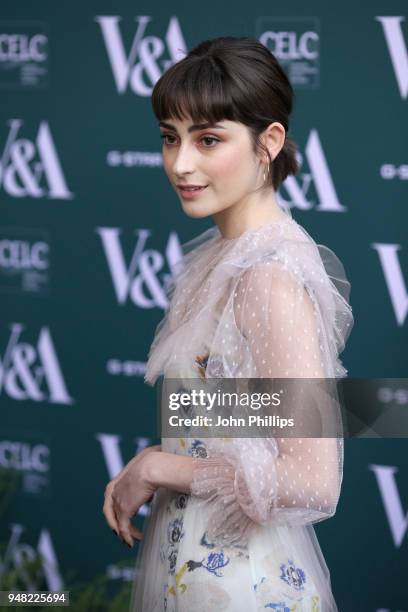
<point>90,231</point>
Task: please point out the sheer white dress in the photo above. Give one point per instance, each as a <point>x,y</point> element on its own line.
<point>269,304</point>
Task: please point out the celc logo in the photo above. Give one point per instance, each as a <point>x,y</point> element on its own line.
<point>143,64</point>
<point>24,456</point>
<point>22,254</point>
<point>295,42</point>
<point>32,372</point>
<point>31,168</point>
<point>23,47</point>
<point>143,280</point>
<point>29,455</point>
<point>24,260</point>
<point>24,54</point>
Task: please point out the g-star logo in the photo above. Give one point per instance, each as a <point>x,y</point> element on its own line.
<point>25,368</point>
<point>18,553</point>
<point>147,49</point>
<point>397,521</point>
<point>394,279</point>
<point>21,175</point>
<point>318,176</point>
<point>142,274</point>
<point>397,49</point>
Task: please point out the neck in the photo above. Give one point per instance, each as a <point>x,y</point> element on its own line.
<point>260,210</point>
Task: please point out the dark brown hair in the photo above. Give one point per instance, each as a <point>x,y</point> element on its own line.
<point>232,78</point>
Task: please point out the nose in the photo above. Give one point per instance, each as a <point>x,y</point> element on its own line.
<point>184,160</point>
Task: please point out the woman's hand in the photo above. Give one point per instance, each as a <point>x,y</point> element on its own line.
<point>124,495</point>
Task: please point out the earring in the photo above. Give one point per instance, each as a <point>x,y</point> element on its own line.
<point>264,176</point>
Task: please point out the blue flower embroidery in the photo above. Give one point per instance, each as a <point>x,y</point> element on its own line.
<point>279,606</point>
<point>215,561</point>
<point>198,449</point>
<point>175,531</point>
<point>172,558</point>
<point>181,501</point>
<point>292,575</point>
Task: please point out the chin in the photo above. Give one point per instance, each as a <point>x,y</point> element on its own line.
<point>195,212</point>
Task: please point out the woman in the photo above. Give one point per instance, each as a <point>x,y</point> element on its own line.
<point>231,519</point>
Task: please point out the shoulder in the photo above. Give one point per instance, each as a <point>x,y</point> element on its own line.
<point>270,291</point>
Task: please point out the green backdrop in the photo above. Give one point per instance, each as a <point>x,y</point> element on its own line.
<point>90,230</point>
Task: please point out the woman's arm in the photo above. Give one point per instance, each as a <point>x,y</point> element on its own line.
<point>137,483</point>
<point>276,480</point>
<point>170,471</point>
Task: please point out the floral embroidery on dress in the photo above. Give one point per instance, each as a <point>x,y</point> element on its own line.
<point>198,449</point>
<point>169,550</point>
<point>292,575</point>
<point>181,501</point>
<point>175,530</point>
<point>237,551</point>
<point>202,361</point>
<point>217,365</point>
<point>215,562</point>
<point>279,606</point>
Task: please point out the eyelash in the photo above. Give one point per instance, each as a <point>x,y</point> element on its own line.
<point>163,136</point>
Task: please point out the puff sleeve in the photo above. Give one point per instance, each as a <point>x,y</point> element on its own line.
<point>272,480</point>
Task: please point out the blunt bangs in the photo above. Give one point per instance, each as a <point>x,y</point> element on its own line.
<point>200,90</point>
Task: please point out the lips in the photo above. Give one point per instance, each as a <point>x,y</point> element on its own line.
<point>190,192</point>
<point>191,187</point>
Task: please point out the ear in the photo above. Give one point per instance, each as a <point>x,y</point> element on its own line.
<point>273,137</point>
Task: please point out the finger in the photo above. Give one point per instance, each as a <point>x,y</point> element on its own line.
<point>135,532</point>
<point>124,531</point>
<point>110,514</point>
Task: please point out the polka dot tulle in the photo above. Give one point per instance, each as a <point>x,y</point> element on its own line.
<point>272,481</point>
<point>270,304</point>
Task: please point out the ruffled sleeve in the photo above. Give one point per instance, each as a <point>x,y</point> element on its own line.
<point>272,480</point>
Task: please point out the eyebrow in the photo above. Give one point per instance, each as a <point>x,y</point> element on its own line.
<point>193,128</point>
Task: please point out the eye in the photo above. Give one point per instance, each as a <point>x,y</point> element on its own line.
<point>164,136</point>
<point>210,138</point>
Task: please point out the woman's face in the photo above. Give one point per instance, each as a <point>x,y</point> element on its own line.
<point>219,157</point>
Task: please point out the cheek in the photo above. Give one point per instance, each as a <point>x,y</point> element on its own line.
<point>234,168</point>
<point>166,163</point>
